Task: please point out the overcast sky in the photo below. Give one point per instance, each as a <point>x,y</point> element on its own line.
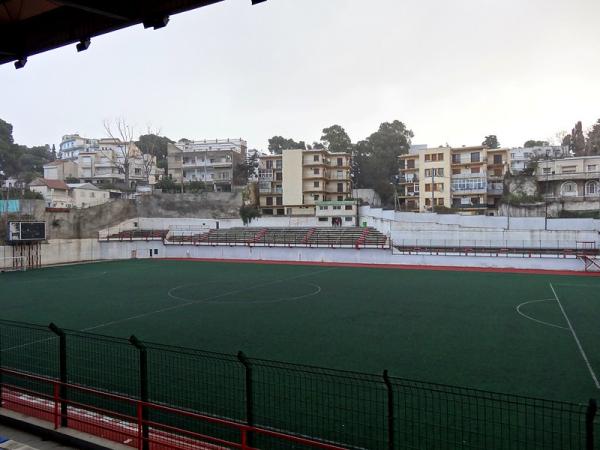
<point>452,71</point>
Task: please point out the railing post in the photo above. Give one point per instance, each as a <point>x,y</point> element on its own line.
<point>143,413</point>
<point>249,396</point>
<point>62,344</point>
<point>390,409</point>
<point>590,414</point>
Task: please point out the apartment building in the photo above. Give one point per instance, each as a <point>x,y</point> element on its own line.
<point>61,169</point>
<point>107,164</point>
<point>569,179</point>
<point>521,156</point>
<point>213,162</point>
<point>302,182</point>
<point>72,144</point>
<point>469,179</point>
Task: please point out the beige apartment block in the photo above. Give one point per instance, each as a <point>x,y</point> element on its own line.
<point>296,181</point>
<point>468,179</point>
<point>212,162</point>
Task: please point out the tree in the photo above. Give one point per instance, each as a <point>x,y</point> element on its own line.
<point>245,169</point>
<point>592,145</point>
<point>278,143</point>
<point>534,143</point>
<point>53,153</point>
<point>122,133</point>
<point>19,161</point>
<point>152,143</point>
<point>376,158</point>
<point>336,139</point>
<point>577,141</point>
<point>491,141</point>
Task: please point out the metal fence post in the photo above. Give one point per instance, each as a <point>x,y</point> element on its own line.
<point>249,395</point>
<point>390,409</point>
<point>1,369</point>
<point>590,414</point>
<point>143,389</point>
<point>62,345</point>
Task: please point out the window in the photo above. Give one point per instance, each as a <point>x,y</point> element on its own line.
<point>340,198</point>
<point>316,184</point>
<point>348,219</point>
<point>440,202</point>
<point>440,156</point>
<point>427,157</point>
<point>427,202</point>
<point>592,188</point>
<point>497,172</point>
<point>512,156</point>
<point>316,171</point>
<point>475,169</point>
<point>289,211</point>
<point>497,159</point>
<point>475,157</point>
<point>279,201</point>
<point>269,163</point>
<point>269,201</point>
<point>316,158</point>
<point>281,212</point>
<point>475,200</point>
<point>340,174</point>
<point>568,169</point>
<point>268,212</point>
<point>340,187</point>
<point>278,163</point>
<point>323,208</point>
<point>316,197</point>
<point>410,164</point>
<point>278,176</point>
<point>348,207</point>
<point>591,168</point>
<point>568,189</point>
<point>455,159</point>
<point>428,187</point>
<point>455,171</point>
<point>323,219</point>
<point>546,170</point>
<point>337,207</point>
<point>427,172</point>
<point>434,157</point>
<point>340,161</point>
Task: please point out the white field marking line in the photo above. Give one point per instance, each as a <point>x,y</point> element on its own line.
<point>585,358</point>
<point>28,344</point>
<point>183,305</point>
<point>251,302</point>
<point>518,308</point>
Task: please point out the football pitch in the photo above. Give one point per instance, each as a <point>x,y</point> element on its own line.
<point>534,335</point>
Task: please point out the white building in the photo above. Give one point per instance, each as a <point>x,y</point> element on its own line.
<point>55,192</point>
<point>61,169</point>
<point>520,156</point>
<point>84,195</point>
<point>72,144</point>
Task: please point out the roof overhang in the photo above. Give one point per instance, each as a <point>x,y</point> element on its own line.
<point>29,27</point>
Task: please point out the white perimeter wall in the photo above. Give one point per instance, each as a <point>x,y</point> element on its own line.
<point>62,251</point>
<point>457,230</point>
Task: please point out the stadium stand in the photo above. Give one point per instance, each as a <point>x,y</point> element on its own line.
<point>143,235</point>
<point>349,237</point>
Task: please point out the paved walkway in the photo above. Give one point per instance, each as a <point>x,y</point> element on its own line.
<point>11,438</point>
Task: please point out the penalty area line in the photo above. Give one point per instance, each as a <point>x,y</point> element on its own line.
<point>584,356</point>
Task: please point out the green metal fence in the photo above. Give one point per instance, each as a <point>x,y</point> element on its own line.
<point>354,410</point>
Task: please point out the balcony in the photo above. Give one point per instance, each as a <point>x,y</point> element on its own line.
<point>495,190</point>
<point>467,160</point>
<point>469,191</point>
<point>269,191</point>
<point>469,205</point>
<point>568,176</point>
<point>460,176</point>
<point>411,178</point>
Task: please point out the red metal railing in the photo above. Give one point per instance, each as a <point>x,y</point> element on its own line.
<point>134,430</point>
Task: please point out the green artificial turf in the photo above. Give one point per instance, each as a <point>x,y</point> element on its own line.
<point>449,327</point>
